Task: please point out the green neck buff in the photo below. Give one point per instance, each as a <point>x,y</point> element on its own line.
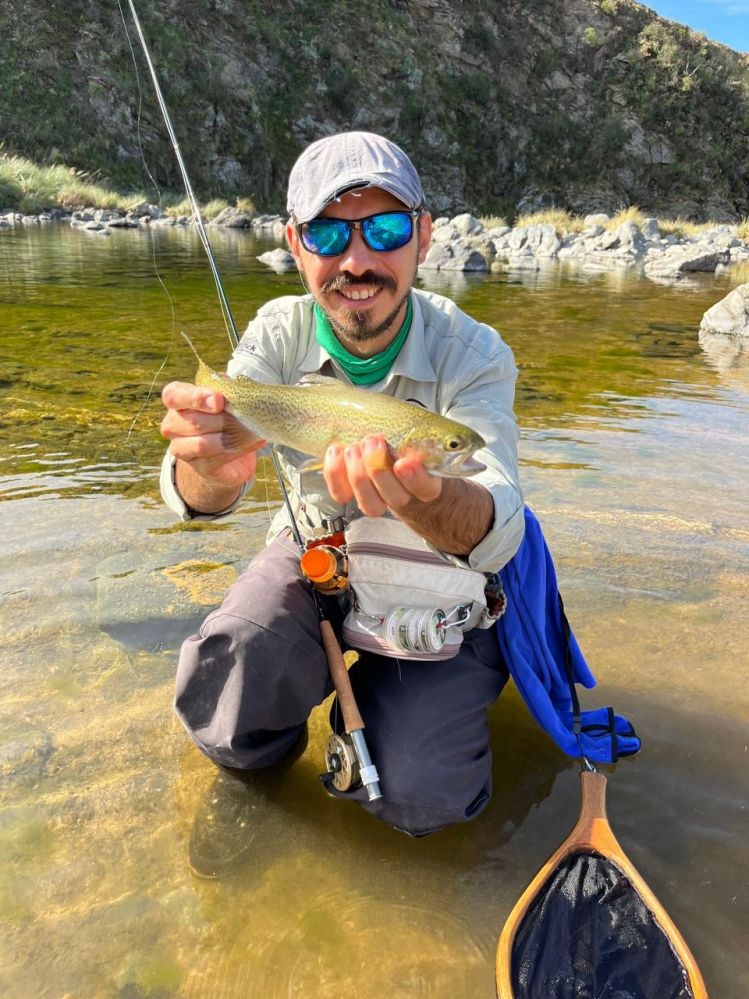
<point>361,370</point>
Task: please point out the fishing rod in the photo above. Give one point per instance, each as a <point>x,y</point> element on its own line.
<point>354,725</point>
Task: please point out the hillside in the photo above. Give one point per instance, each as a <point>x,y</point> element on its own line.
<point>588,104</point>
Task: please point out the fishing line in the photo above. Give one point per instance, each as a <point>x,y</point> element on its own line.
<point>151,239</point>
<point>228,317</point>
<point>339,674</point>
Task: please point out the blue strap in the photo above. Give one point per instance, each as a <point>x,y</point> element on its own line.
<point>545,661</point>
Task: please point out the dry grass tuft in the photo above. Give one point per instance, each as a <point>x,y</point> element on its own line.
<point>682,227</point>
<point>563,221</point>
<point>631,214</point>
<point>493,221</point>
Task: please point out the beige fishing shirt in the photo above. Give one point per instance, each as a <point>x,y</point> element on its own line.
<point>450,363</point>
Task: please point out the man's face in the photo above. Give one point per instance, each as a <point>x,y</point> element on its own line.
<point>363,292</point>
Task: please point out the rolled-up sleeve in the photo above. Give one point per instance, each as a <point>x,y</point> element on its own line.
<point>483,400</point>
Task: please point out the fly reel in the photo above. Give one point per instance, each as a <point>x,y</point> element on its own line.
<point>341,763</point>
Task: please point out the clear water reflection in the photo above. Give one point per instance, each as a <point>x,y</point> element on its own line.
<point>634,457</point>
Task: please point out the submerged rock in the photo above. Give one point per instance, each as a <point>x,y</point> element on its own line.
<point>279,260</point>
<point>149,605</point>
<point>729,316</point>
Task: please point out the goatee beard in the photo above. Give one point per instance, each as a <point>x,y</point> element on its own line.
<point>358,328</point>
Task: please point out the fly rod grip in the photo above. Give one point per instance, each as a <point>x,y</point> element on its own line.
<point>352,720</point>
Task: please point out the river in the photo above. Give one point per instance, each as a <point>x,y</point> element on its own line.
<point>635,459</point>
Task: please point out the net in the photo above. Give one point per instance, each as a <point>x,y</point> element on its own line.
<point>589,935</point>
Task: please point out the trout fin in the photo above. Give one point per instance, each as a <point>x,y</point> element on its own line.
<point>191,345</point>
<point>237,438</point>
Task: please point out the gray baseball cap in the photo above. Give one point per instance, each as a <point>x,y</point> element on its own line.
<point>338,163</point>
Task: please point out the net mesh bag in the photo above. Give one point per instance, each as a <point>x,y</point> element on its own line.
<point>589,935</point>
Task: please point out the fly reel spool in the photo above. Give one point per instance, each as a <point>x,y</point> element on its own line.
<point>341,763</point>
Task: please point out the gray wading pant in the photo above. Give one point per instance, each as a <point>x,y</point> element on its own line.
<point>247,682</point>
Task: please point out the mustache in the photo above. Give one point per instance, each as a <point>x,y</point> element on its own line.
<point>346,279</point>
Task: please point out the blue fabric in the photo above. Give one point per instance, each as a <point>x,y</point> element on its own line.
<point>533,640</point>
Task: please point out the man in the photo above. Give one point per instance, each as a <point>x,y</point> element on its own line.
<point>358,229</point>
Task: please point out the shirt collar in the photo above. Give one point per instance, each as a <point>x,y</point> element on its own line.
<point>412,362</point>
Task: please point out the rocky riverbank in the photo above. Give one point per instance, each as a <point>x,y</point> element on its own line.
<point>104,220</point>
<point>464,243</point>
<point>468,244</point>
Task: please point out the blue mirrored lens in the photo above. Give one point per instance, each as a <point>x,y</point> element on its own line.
<point>326,237</point>
<point>387,231</point>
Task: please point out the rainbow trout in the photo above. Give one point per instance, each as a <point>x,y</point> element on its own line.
<point>322,411</point>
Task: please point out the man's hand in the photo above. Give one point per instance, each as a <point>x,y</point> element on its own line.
<point>216,455</point>
<point>365,472</point>
<point>452,514</point>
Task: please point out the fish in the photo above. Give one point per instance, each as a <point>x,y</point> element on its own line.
<point>320,411</point>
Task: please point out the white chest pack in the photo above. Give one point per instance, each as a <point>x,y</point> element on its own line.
<point>408,601</point>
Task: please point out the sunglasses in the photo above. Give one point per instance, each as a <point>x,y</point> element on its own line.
<point>382,232</point>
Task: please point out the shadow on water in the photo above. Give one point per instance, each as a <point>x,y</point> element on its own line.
<point>634,456</point>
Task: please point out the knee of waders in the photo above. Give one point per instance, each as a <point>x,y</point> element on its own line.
<point>422,820</point>
<point>416,818</point>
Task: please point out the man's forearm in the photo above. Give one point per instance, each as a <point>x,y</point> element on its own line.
<point>202,495</point>
<point>456,521</point>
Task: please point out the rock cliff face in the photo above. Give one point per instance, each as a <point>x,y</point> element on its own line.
<point>586,104</point>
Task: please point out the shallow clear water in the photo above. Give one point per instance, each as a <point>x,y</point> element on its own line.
<point>634,456</point>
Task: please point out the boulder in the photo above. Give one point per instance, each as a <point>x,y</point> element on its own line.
<point>729,316</point>
<point>467,225</point>
<point>542,240</point>
<point>233,218</point>
<point>678,260</point>
<point>143,209</point>
<point>279,260</point>
<point>438,255</point>
<point>444,234</point>
<point>267,221</point>
<point>630,237</point>
<point>454,256</point>
<point>466,259</point>
<point>123,222</point>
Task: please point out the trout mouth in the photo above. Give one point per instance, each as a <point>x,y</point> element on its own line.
<point>459,466</point>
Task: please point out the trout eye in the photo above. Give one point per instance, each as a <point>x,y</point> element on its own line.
<point>452,443</point>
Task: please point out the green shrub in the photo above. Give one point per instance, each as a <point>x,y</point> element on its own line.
<point>31,188</point>
<point>214,207</point>
<point>246,205</point>
<point>178,208</point>
<point>590,36</point>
